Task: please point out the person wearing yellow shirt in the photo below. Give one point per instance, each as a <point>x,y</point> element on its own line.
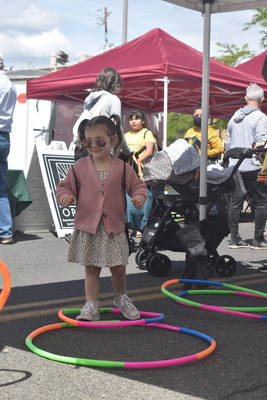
<point>137,137</point>
<point>215,145</point>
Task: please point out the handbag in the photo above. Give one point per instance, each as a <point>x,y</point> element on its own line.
<point>135,155</point>
<point>129,236</point>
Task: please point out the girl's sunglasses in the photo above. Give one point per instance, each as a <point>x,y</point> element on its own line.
<point>98,142</point>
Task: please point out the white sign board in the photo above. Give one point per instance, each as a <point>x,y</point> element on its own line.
<point>54,166</point>
<point>31,117</point>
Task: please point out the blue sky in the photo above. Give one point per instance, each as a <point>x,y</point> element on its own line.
<point>32,29</point>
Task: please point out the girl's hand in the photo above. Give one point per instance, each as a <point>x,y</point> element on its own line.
<point>138,202</point>
<point>67,200</point>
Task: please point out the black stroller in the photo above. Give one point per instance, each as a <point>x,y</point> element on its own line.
<point>174,225</point>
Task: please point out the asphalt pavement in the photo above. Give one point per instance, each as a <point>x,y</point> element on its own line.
<point>43,282</point>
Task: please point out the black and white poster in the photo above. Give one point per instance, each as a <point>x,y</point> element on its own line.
<point>54,166</point>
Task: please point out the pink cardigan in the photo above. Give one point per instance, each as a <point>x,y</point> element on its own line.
<point>96,200</point>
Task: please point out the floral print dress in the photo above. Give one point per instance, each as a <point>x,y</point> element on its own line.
<point>99,249</point>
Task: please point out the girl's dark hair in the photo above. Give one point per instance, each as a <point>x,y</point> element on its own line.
<point>107,80</point>
<point>113,125</point>
<point>138,114</point>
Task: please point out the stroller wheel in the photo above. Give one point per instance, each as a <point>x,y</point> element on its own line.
<point>225,266</point>
<point>141,258</point>
<point>159,265</point>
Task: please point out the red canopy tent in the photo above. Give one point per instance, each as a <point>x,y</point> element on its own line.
<point>254,65</point>
<point>148,65</point>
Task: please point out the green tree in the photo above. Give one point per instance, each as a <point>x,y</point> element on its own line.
<point>178,125</point>
<point>220,124</point>
<point>232,55</point>
<point>259,19</point>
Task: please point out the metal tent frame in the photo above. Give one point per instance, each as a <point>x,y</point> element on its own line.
<point>207,7</point>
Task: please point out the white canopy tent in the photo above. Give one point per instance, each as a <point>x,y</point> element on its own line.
<point>207,7</point>
<point>219,6</point>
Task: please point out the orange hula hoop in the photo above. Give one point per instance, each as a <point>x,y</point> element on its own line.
<point>7,284</point>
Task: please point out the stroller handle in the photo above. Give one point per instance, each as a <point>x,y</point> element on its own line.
<point>241,153</point>
<point>138,152</point>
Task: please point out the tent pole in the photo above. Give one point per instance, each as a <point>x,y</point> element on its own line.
<point>165,112</point>
<point>205,112</point>
<point>124,21</point>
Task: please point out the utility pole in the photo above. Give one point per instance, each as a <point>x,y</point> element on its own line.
<point>124,21</point>
<point>106,15</point>
<point>104,21</point>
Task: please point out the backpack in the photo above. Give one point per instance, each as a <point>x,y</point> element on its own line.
<point>87,114</point>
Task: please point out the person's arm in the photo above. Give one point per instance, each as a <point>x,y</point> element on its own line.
<point>149,142</point>
<point>135,187</point>
<point>228,139</point>
<point>115,107</point>
<point>188,133</point>
<point>147,152</point>
<point>260,137</point>
<point>8,97</point>
<point>216,146</point>
<point>66,190</point>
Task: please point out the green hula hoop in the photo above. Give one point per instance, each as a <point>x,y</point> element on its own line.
<point>235,290</point>
<point>122,364</point>
<point>65,359</point>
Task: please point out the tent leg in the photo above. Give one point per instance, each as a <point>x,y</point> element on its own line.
<point>205,112</point>
<point>165,112</point>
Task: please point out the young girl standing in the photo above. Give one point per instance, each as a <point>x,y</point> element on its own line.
<point>98,183</point>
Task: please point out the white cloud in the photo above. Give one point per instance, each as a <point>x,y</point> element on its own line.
<point>39,45</point>
<point>30,18</point>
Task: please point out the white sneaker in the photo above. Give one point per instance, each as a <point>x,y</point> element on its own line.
<point>90,311</point>
<point>126,306</point>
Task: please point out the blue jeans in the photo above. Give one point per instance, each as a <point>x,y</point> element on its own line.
<point>5,213</point>
<point>137,218</point>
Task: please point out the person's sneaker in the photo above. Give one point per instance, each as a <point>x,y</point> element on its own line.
<point>263,269</point>
<point>126,306</point>
<point>259,244</point>
<point>236,244</point>
<point>90,311</point>
<point>138,235</point>
<point>7,240</point>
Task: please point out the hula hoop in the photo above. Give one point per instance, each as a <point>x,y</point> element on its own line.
<point>236,290</point>
<point>6,282</point>
<point>121,364</point>
<point>153,317</point>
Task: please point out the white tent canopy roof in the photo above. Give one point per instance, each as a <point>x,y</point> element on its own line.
<point>218,6</point>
